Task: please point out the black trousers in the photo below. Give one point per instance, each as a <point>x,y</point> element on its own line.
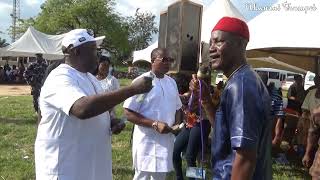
<point>189,139</point>
<point>35,91</point>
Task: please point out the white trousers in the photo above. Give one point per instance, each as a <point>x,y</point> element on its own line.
<point>143,175</point>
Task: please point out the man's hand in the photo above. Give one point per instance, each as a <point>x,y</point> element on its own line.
<point>177,128</point>
<point>194,86</point>
<point>307,161</point>
<point>184,98</point>
<point>276,141</point>
<point>206,100</point>
<point>118,127</point>
<point>142,85</point>
<point>163,128</point>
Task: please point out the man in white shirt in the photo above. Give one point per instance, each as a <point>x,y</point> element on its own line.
<point>73,140</point>
<point>153,115</point>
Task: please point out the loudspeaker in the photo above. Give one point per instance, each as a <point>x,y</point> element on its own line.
<point>183,35</point>
<point>163,29</point>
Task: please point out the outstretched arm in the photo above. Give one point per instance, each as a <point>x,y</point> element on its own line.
<point>90,106</point>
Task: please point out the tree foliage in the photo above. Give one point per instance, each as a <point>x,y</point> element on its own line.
<point>22,27</point>
<point>123,34</point>
<point>60,16</point>
<point>3,43</point>
<point>141,28</point>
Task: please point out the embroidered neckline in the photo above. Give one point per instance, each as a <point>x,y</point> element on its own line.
<point>235,71</point>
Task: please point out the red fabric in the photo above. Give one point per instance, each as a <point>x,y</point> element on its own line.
<point>233,25</point>
<point>290,111</point>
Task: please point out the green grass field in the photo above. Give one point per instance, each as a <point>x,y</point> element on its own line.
<point>18,131</point>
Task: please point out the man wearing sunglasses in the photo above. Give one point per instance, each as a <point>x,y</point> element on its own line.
<point>153,115</point>
<point>74,136</point>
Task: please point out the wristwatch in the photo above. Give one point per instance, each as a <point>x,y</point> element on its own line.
<point>155,125</point>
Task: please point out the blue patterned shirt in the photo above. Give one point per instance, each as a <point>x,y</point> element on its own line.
<point>276,103</point>
<point>242,122</point>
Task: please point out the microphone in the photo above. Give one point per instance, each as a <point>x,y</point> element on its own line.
<point>203,72</point>
<point>141,97</point>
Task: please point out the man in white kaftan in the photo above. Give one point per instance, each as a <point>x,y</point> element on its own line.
<point>154,113</point>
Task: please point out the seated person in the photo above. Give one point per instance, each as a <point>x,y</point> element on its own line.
<point>189,138</point>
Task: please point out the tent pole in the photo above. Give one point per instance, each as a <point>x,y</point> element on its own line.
<point>317,64</point>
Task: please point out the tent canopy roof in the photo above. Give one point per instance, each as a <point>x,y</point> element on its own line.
<point>286,28</point>
<point>213,13</point>
<point>145,54</point>
<point>289,36</point>
<point>32,42</point>
<point>273,63</point>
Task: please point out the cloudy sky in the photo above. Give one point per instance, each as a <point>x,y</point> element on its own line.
<point>30,8</point>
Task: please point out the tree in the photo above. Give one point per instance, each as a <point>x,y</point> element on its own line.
<point>141,28</point>
<point>123,34</point>
<point>22,27</point>
<point>3,43</point>
<point>60,16</point>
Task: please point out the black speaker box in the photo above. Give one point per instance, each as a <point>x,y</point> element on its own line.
<point>183,35</point>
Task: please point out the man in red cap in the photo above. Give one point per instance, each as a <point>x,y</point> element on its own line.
<point>241,144</point>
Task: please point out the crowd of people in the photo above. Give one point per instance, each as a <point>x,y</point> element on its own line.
<point>12,74</point>
<point>23,73</point>
<point>295,129</point>
<point>303,103</point>
<point>75,101</point>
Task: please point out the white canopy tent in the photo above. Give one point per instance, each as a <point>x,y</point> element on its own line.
<point>32,42</point>
<point>213,13</point>
<point>145,54</point>
<point>271,62</point>
<point>288,35</point>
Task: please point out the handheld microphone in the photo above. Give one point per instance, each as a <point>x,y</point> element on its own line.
<point>203,72</point>
<point>141,97</point>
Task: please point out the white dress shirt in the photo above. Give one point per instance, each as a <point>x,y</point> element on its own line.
<point>152,151</point>
<point>66,147</point>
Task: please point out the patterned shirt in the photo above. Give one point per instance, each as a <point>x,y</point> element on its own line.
<point>35,73</point>
<point>242,122</point>
<point>276,102</point>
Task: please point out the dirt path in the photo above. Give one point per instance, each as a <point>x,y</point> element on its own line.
<point>14,90</point>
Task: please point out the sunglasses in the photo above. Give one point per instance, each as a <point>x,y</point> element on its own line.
<point>166,59</point>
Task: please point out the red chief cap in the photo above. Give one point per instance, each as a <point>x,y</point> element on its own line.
<point>233,25</point>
